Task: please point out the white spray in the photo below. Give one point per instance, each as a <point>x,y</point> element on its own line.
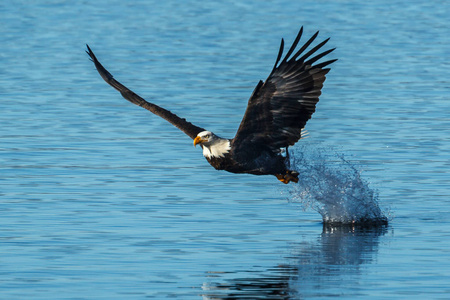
<point>333,186</point>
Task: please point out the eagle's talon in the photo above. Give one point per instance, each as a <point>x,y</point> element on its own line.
<point>288,177</point>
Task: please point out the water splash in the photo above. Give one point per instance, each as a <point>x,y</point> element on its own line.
<point>333,186</point>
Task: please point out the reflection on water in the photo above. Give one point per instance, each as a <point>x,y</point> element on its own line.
<point>314,268</point>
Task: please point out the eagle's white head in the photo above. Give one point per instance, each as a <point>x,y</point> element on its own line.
<point>213,146</point>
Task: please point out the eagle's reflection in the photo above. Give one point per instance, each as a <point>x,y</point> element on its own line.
<point>321,264</point>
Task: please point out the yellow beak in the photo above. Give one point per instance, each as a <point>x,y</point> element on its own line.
<point>197,140</point>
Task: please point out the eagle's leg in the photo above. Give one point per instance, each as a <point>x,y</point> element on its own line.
<point>287,160</point>
<point>288,177</point>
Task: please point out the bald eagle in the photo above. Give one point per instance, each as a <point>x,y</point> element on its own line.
<point>277,111</point>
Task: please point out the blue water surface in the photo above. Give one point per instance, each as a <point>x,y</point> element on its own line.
<point>100,199</point>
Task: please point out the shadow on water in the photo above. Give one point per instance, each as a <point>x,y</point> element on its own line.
<point>315,268</point>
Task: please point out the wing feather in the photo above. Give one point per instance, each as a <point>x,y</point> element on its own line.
<point>280,52</point>
<point>294,44</point>
<point>279,108</point>
<point>190,129</point>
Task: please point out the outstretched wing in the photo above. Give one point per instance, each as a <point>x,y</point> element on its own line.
<point>280,107</point>
<point>190,129</point>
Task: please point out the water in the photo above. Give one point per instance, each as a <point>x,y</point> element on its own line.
<point>102,200</point>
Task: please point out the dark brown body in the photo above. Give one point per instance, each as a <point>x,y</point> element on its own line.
<point>267,163</point>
